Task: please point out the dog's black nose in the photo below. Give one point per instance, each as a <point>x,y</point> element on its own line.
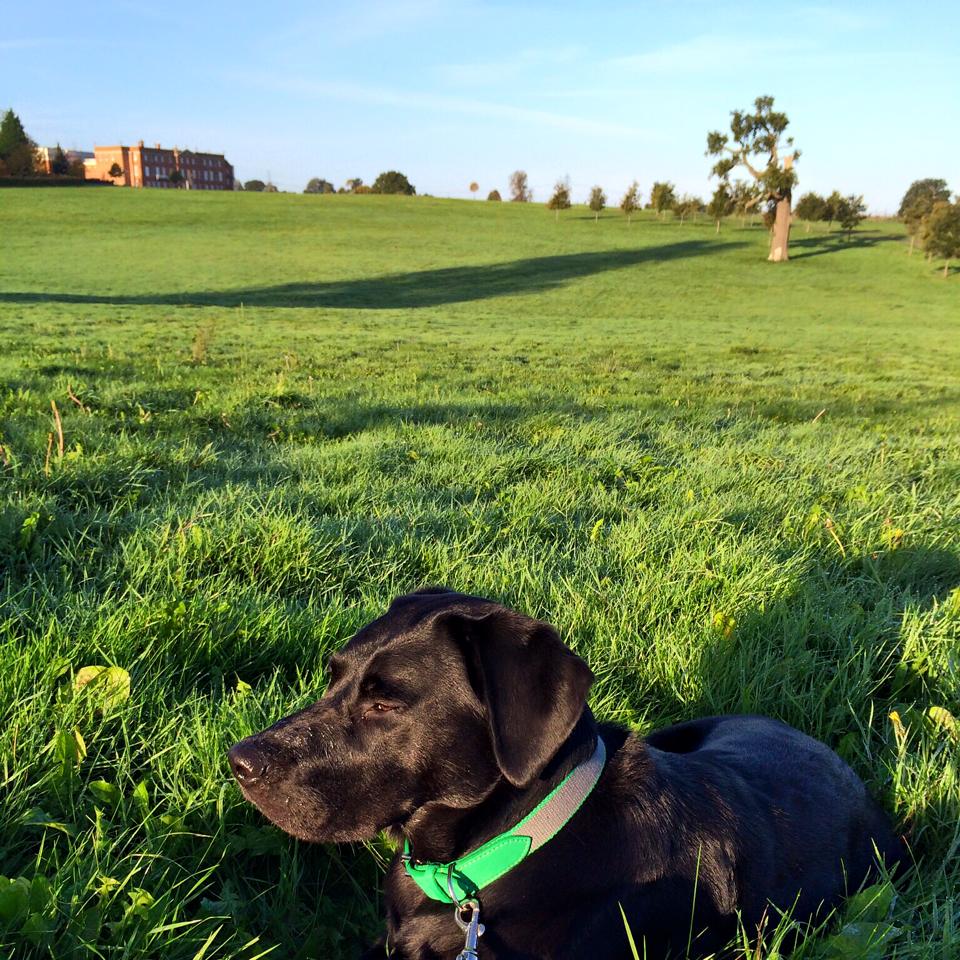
<point>247,763</point>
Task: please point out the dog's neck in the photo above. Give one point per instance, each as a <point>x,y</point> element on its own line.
<point>440,833</point>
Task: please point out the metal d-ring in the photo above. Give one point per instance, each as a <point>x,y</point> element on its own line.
<point>453,896</point>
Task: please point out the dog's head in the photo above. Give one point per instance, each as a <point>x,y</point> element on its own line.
<point>437,701</point>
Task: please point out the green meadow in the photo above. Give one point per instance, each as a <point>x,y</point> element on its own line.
<point>233,427</point>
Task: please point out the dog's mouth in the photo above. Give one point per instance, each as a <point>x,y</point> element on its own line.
<point>264,780</point>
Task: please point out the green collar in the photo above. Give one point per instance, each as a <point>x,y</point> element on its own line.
<point>466,876</point>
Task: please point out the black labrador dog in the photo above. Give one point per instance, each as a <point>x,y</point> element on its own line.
<point>450,718</point>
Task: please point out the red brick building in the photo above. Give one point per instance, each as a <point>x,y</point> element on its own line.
<point>142,166</point>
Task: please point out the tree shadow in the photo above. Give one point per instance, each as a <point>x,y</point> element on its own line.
<point>835,242</point>
<point>422,288</point>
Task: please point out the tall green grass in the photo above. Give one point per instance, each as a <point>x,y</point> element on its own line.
<point>732,486</point>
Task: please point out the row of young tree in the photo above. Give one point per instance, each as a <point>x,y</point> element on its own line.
<point>663,198</point>
<point>740,199</point>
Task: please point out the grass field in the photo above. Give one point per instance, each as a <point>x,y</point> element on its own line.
<point>732,486</point>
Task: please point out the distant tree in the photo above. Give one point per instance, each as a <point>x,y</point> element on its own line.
<point>685,207</point>
<point>851,212</point>
<point>270,187</point>
<point>561,197</point>
<point>176,178</point>
<point>115,170</point>
<point>759,134</point>
<point>254,186</point>
<point>831,208</point>
<point>663,196</point>
<point>353,185</point>
<point>393,182</point>
<point>746,197</point>
<point>630,201</point>
<point>520,192</point>
<point>941,235</point>
<point>494,195</point>
<point>598,200</point>
<point>474,186</point>
<point>17,150</point>
<point>12,134</point>
<point>319,185</point>
<point>810,208</point>
<point>721,204</point>
<point>237,185</point>
<point>59,165</point>
<point>76,169</point>
<point>923,193</point>
<point>918,203</point>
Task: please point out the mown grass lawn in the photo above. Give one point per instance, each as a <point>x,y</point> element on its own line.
<point>732,486</point>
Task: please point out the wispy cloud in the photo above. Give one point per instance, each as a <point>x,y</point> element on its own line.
<point>29,43</point>
<point>709,53</point>
<point>539,59</point>
<point>438,103</point>
<point>366,20</point>
<point>834,18</point>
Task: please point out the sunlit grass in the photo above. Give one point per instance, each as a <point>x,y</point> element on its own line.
<point>732,486</point>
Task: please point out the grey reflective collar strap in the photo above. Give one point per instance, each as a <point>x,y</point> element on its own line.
<point>463,878</point>
<point>559,806</point>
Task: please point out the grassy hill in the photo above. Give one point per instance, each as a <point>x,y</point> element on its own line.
<point>732,486</point>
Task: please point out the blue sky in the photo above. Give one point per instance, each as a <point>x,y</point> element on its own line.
<point>450,91</point>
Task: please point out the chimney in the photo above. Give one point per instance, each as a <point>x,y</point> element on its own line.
<point>140,144</point>
<point>157,145</point>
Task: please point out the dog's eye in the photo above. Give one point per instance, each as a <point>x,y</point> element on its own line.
<point>379,706</point>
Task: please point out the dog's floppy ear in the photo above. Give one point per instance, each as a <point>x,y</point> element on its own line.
<point>533,687</point>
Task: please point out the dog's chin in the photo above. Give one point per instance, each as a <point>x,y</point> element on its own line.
<point>302,819</point>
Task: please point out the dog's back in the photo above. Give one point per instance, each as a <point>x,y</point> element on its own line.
<point>799,822</point>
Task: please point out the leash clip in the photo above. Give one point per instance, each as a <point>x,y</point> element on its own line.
<point>472,927</point>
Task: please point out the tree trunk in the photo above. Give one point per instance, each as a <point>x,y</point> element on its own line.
<point>946,268</point>
<point>596,217</point>
<point>780,238</point>
<point>718,226</point>
<point>912,239</point>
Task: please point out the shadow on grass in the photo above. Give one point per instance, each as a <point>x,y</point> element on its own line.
<point>836,242</point>
<point>422,288</point>
<point>836,655</point>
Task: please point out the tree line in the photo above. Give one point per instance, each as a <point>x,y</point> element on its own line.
<point>389,182</point>
<point>848,211</point>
